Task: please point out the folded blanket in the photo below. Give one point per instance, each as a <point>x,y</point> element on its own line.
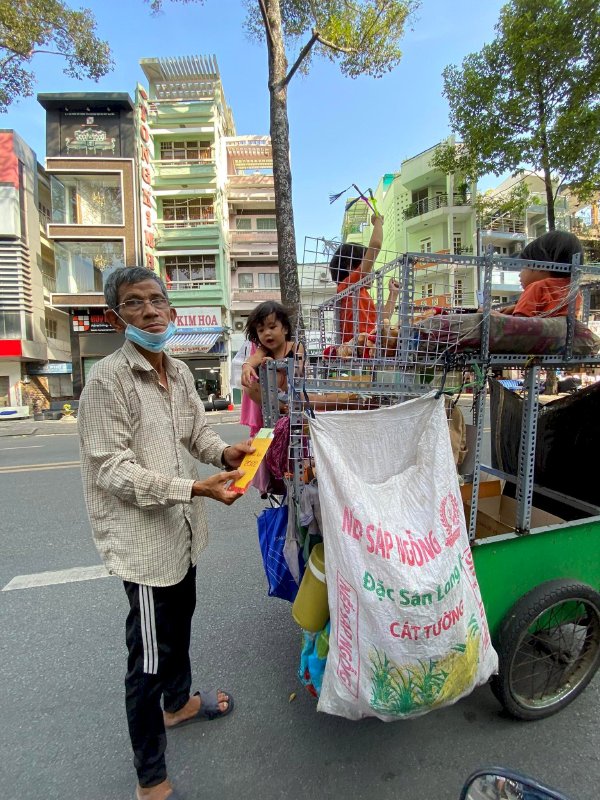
<point>508,334</point>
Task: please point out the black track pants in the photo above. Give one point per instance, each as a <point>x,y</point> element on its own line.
<point>158,640</point>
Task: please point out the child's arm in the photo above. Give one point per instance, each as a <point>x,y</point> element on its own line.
<point>251,365</point>
<point>392,301</point>
<point>375,242</point>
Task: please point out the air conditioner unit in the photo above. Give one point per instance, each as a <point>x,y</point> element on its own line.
<point>239,325</point>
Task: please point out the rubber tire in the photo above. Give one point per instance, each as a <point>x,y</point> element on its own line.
<point>518,619</point>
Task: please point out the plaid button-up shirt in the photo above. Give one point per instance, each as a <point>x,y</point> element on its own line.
<point>138,443</point>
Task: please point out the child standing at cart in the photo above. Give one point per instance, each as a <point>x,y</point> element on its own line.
<point>269,328</point>
<point>349,264</point>
<point>546,293</point>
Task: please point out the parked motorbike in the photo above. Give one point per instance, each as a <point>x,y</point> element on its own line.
<point>497,783</point>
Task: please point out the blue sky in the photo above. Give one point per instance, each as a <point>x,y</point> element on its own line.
<point>342,131</point>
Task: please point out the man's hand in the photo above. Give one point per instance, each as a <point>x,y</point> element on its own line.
<point>394,287</point>
<point>234,454</point>
<point>216,487</point>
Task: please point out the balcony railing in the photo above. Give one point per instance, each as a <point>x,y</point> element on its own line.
<point>255,295</point>
<point>254,236</point>
<point>49,282</point>
<point>205,156</point>
<point>207,217</point>
<point>44,220</point>
<point>434,203</point>
<point>504,225</point>
<point>174,286</point>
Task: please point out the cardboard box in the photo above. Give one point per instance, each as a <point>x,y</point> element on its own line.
<point>496,515</point>
<point>487,488</point>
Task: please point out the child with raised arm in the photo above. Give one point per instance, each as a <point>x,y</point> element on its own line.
<point>349,264</point>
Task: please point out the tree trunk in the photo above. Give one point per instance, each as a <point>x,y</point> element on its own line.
<point>549,198</point>
<point>282,173</point>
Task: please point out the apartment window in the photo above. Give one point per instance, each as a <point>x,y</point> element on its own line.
<point>51,328</point>
<point>268,280</point>
<point>266,224</point>
<point>193,269</point>
<point>188,212</point>
<point>243,224</point>
<point>87,199</point>
<point>79,265</point>
<point>429,290</point>
<point>426,245</point>
<point>245,280</point>
<point>194,150</point>
<point>457,242</point>
<point>458,292</point>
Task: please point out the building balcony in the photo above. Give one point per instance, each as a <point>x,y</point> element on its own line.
<point>200,292</point>
<point>169,232</point>
<point>503,225</point>
<point>250,189</point>
<point>440,202</point>
<point>254,296</point>
<point>180,171</point>
<point>253,243</point>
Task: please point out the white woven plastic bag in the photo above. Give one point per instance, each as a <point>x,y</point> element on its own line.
<point>408,628</point>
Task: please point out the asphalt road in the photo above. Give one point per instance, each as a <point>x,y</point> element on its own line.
<point>63,732</point>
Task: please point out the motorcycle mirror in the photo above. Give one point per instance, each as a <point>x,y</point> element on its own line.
<point>497,783</point>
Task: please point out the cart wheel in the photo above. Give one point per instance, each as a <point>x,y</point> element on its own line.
<point>548,649</point>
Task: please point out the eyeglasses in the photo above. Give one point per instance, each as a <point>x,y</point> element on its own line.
<point>136,305</point>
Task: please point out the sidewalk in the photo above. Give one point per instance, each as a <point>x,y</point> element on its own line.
<point>30,427</point>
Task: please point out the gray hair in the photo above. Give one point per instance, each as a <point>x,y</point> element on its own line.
<point>127,275</point>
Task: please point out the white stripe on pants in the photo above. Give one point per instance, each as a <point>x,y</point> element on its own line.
<point>148,630</point>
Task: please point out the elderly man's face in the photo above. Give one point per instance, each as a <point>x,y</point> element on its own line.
<point>144,305</point>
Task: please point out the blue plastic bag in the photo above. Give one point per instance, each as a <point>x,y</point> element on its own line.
<point>272,529</point>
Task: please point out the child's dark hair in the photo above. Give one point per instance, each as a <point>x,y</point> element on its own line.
<point>556,246</point>
<point>260,314</point>
<point>345,259</point>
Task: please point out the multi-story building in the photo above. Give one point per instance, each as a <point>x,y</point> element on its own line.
<point>91,143</point>
<point>34,333</point>
<point>252,228</point>
<point>425,211</point>
<point>188,126</point>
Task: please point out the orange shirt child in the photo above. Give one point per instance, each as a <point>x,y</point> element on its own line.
<point>546,297</point>
<point>350,263</point>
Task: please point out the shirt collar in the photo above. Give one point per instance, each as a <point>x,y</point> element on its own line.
<point>137,361</point>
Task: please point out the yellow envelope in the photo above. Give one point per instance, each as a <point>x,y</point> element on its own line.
<point>251,462</point>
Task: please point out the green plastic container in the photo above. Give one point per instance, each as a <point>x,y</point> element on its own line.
<point>311,609</point>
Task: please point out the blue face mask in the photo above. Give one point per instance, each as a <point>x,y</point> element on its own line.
<point>154,342</point>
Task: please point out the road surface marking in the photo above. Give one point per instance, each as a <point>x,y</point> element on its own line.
<point>25,447</point>
<point>52,578</point>
<point>33,467</point>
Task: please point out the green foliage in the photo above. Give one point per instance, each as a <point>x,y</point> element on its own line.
<point>29,27</point>
<point>530,97</point>
<point>363,37</point>
<point>511,203</point>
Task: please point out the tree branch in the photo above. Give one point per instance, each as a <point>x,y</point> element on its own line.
<point>333,46</point>
<point>266,23</point>
<point>302,55</point>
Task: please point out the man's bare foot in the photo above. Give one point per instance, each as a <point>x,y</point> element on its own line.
<point>191,709</point>
<point>159,792</point>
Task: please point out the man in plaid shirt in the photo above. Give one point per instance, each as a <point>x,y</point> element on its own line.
<point>141,425</point>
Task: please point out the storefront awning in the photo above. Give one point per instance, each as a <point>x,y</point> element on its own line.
<point>190,343</point>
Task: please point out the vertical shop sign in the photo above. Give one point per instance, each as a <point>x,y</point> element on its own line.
<point>146,175</point>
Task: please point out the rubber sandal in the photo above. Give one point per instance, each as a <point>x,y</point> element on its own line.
<point>173,796</point>
<point>209,708</point>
